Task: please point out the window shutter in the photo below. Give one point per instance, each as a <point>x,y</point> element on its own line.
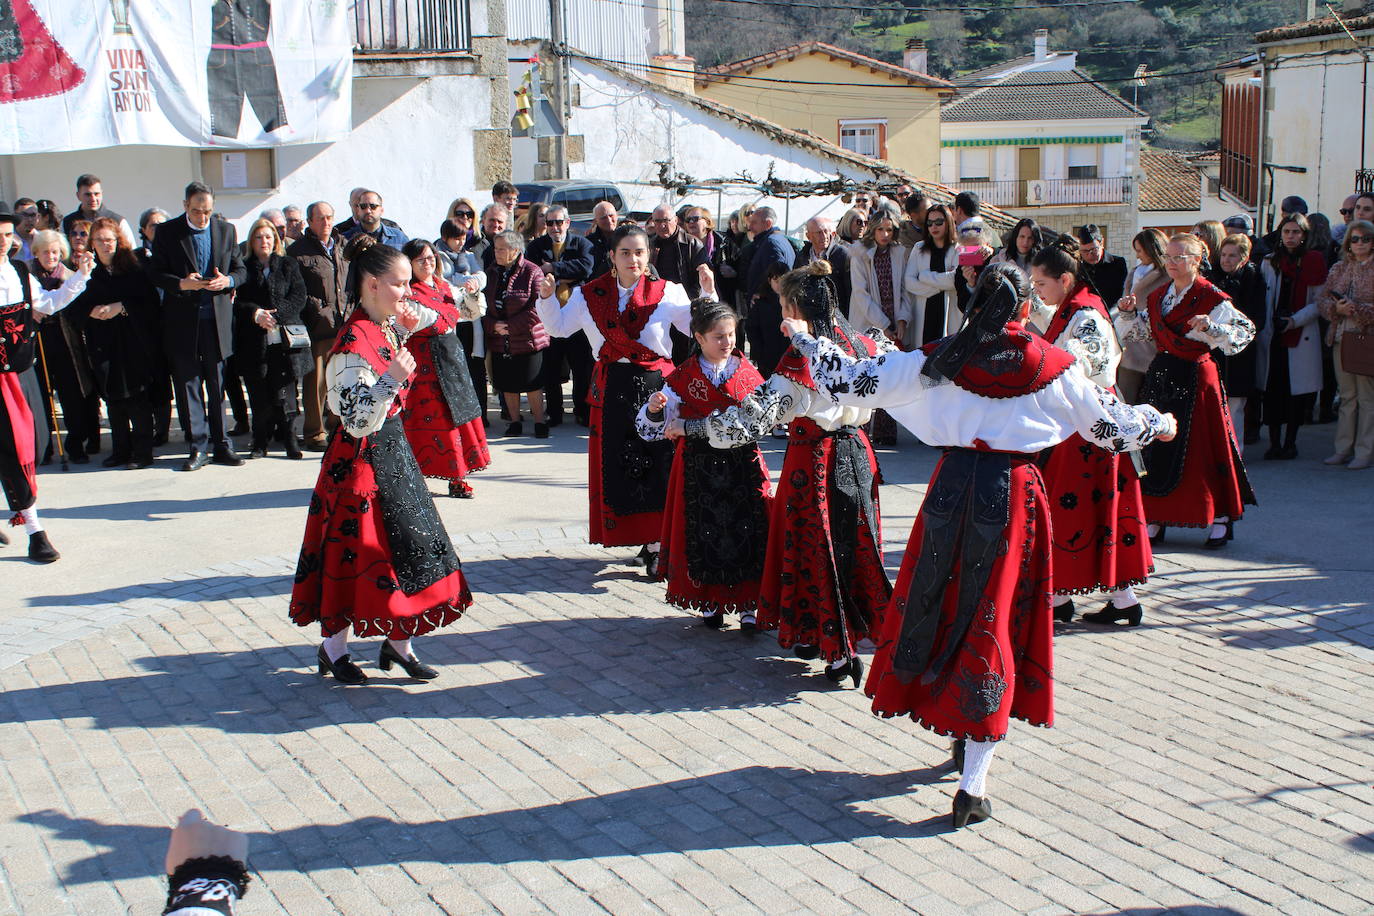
<point>882,140</point>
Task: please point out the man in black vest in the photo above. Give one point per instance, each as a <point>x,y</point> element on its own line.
<point>1104,273</point>
<point>196,263</point>
<point>20,297</point>
<point>320,255</point>
<point>569,258</point>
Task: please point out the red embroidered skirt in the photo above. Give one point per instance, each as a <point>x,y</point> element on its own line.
<point>18,471</point>
<point>800,596</point>
<point>442,449</point>
<point>1098,519</point>
<point>1007,658</point>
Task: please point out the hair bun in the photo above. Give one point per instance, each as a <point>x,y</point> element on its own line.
<point>820,267</point>
<point>357,245</point>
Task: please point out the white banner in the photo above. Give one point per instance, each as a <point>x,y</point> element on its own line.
<point>80,74</point>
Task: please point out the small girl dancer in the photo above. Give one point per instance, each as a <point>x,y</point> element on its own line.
<point>715,519</point>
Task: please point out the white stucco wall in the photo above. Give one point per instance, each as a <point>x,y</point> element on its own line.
<point>629,128</point>
<point>412,140</point>
<point>1117,159</point>
<point>1315,123</point>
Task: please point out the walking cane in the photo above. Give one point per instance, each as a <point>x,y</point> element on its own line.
<point>52,405</point>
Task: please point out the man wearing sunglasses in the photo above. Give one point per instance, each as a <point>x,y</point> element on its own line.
<point>367,215</point>
<point>569,258</point>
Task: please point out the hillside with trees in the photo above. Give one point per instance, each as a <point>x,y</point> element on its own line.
<point>1178,40</point>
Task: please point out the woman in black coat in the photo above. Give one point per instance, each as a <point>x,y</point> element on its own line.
<point>1240,279</point>
<point>117,316</point>
<point>273,295</point>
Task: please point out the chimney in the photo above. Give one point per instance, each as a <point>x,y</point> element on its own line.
<point>674,71</point>
<point>916,57</point>
<point>1042,44</point>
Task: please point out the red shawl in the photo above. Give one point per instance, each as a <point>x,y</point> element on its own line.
<point>621,329</point>
<point>1017,363</point>
<point>1081,298</point>
<point>362,336</point>
<point>700,398</point>
<point>1304,275</point>
<point>439,298</point>
<point>1171,331</point>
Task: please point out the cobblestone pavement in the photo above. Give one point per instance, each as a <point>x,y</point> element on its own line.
<point>587,749</point>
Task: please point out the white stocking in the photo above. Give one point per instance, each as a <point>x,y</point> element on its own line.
<point>1152,530</point>
<point>977,759</point>
<point>1062,598</point>
<point>402,647</point>
<point>336,646</point>
<point>1124,598</point>
<point>839,664</point>
<point>1219,526</point>
<point>31,523</point>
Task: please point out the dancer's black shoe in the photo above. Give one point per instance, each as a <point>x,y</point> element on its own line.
<point>970,810</point>
<point>1110,614</point>
<point>1218,543</point>
<point>714,621</point>
<point>956,754</point>
<point>1063,613</point>
<point>853,669</point>
<point>1158,537</point>
<point>801,650</point>
<point>343,669</point>
<point>748,625</point>
<point>413,666</point>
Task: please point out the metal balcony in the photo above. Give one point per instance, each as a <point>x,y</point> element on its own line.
<point>1051,192</point>
<point>411,26</point>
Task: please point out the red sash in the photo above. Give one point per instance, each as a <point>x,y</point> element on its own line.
<point>1081,298</point>
<point>439,298</point>
<point>1171,330</point>
<point>796,368</point>
<point>363,337</point>
<point>1020,362</point>
<point>700,398</point>
<point>620,330</point>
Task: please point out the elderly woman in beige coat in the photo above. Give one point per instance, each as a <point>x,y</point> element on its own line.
<point>877,298</point>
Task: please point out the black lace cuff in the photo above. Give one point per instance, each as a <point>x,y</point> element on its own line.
<point>211,884</point>
<point>695,429</point>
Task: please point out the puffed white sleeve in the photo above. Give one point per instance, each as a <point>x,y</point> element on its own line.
<point>650,427</point>
<point>357,395</point>
<point>1228,330</point>
<point>780,400</point>
<point>1091,340</point>
<point>428,317</point>
<point>50,302</point>
<point>1133,325</point>
<point>677,307</point>
<point>890,379</point>
<point>567,320</point>
<point>1102,418</point>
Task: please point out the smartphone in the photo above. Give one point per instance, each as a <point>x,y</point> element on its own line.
<point>971,257</point>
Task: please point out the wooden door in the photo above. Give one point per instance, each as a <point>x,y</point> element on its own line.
<point>1027,168</point>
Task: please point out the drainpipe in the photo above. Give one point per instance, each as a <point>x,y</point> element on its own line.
<point>1260,208</point>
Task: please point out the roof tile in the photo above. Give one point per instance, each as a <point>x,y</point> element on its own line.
<point>1035,96</point>
<point>1171,182</point>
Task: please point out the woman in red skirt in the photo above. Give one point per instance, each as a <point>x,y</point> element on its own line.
<point>715,520</point>
<point>628,316</point>
<point>967,642</point>
<point>376,557</point>
<point>824,584</point>
<point>1199,480</point>
<point>442,416</point>
<point>1098,518</point>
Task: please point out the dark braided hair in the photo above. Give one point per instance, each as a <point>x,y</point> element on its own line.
<point>707,312</point>
<point>1059,258</point>
<point>367,256</point>
<point>812,291</point>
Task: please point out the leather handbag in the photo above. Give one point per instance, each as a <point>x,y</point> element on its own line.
<point>1357,353</point>
<point>295,336</point>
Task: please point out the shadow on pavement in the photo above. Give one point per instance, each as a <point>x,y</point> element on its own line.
<point>585,667</point>
<point>159,510</point>
<point>751,807</point>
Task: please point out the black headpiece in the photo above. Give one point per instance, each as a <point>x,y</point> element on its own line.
<point>819,305</point>
<point>993,303</point>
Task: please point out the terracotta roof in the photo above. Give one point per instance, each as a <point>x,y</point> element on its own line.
<point>1171,183</point>
<point>1323,25</point>
<point>1038,95</point>
<point>864,166</point>
<point>792,52</point>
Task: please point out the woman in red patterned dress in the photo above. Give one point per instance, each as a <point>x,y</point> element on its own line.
<point>375,557</point>
<point>715,520</point>
<point>442,417</point>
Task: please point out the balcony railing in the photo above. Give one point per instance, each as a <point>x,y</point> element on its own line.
<point>409,26</point>
<point>1050,192</point>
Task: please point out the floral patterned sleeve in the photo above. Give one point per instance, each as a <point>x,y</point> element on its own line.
<point>891,379</point>
<point>1134,325</point>
<point>1092,342</point>
<point>357,395</point>
<point>651,429</point>
<point>779,401</point>
<point>1105,420</point>
<point>1227,330</point>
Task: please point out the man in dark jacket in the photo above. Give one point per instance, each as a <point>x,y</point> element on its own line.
<point>196,263</point>
<point>821,246</point>
<point>91,196</point>
<point>320,255</point>
<point>1104,273</point>
<point>569,258</point>
<point>606,219</point>
<point>771,247</point>
<point>675,254</point>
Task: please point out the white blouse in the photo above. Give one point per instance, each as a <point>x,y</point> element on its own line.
<point>781,400</point>
<point>1228,330</point>
<point>356,393</point>
<point>674,311</point>
<point>1091,339</point>
<point>45,302</point>
<point>944,415</point>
